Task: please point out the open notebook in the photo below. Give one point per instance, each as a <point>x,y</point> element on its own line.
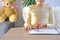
<point>45,31</point>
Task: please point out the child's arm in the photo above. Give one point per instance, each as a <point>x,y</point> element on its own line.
<point>27,23</point>
<point>51,18</point>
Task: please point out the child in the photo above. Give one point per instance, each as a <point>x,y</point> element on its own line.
<point>38,16</point>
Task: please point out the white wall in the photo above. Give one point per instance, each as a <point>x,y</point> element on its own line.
<point>20,20</point>
<point>53,2</point>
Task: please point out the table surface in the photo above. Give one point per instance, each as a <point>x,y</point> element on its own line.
<point>20,34</point>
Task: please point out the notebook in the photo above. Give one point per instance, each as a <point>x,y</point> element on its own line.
<point>45,31</point>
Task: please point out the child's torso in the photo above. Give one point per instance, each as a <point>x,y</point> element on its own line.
<point>39,14</point>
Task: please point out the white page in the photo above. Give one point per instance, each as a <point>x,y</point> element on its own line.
<point>43,31</point>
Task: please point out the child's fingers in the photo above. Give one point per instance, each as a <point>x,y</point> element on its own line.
<point>38,25</point>
<point>29,28</point>
<point>25,29</point>
<point>33,28</point>
<point>43,26</point>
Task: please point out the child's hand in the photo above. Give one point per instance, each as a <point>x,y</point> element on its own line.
<point>41,25</point>
<point>27,27</point>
